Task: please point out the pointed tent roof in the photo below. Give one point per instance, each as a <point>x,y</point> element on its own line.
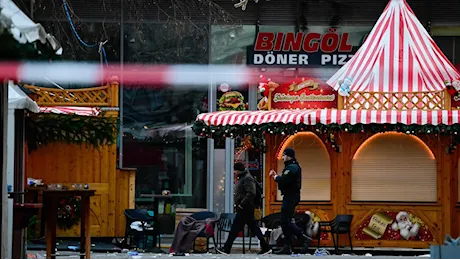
<point>398,56</point>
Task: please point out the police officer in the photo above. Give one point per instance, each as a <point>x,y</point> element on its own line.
<point>289,183</point>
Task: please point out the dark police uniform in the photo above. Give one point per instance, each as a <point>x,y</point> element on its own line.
<point>289,183</point>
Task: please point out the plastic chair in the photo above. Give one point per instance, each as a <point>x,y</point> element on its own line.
<point>341,224</point>
<point>142,216</point>
<point>273,221</point>
<point>224,224</point>
<point>166,225</point>
<point>203,216</point>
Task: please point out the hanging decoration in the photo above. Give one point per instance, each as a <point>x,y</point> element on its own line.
<point>453,146</point>
<point>244,145</point>
<point>43,129</point>
<point>265,87</point>
<point>243,4</point>
<point>345,85</point>
<point>453,87</point>
<point>259,131</point>
<point>68,212</point>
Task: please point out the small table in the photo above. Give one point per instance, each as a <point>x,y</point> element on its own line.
<point>157,198</point>
<point>50,204</point>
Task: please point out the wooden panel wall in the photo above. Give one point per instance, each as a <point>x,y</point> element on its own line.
<point>126,181</point>
<point>441,217</point>
<point>67,163</point>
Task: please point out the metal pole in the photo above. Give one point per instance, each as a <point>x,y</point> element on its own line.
<point>4,195</point>
<point>120,88</point>
<point>210,146</point>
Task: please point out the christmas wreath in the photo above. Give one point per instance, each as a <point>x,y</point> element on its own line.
<point>68,212</point>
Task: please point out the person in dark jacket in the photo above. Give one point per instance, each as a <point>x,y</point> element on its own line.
<point>289,183</point>
<point>245,191</point>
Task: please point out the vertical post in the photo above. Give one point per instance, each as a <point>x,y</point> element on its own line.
<point>114,92</point>
<point>3,141</point>
<point>229,178</point>
<point>270,92</point>
<point>447,101</point>
<point>210,145</point>
<point>14,238</point>
<point>252,97</point>
<point>120,90</point>
<point>188,161</point>
<point>340,102</point>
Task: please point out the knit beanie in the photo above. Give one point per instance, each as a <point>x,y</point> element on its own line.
<point>289,152</point>
<point>239,166</point>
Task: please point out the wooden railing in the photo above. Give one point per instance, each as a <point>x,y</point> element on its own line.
<point>397,101</point>
<point>105,96</point>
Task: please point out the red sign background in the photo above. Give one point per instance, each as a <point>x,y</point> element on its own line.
<point>304,93</point>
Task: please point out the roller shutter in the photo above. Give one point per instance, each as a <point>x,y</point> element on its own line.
<point>316,167</point>
<point>394,167</point>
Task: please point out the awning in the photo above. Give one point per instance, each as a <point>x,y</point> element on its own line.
<point>17,99</point>
<point>331,116</point>
<point>81,111</point>
<point>23,29</point>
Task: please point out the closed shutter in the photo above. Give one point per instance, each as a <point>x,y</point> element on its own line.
<point>394,167</point>
<point>445,12</point>
<point>316,167</point>
<point>278,12</point>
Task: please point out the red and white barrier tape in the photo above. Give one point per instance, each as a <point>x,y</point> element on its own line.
<point>92,74</point>
<point>154,76</point>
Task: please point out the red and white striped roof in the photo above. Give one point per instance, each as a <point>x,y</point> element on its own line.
<point>81,111</point>
<point>331,116</point>
<point>398,56</point>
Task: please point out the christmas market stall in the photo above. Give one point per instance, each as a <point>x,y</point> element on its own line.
<point>377,140</point>
<point>72,143</point>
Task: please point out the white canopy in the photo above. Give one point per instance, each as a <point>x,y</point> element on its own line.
<point>23,28</point>
<point>17,99</point>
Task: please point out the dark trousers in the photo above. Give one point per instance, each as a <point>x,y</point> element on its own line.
<point>244,217</point>
<point>287,214</point>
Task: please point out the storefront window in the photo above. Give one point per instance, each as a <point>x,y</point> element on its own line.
<point>157,120</point>
<point>229,45</point>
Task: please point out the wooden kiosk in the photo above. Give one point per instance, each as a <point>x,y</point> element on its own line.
<point>386,153</point>
<point>68,163</point>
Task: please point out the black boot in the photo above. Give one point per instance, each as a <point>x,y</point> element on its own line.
<point>265,250</point>
<point>305,244</point>
<point>286,250</point>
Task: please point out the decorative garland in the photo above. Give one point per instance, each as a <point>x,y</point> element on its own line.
<point>68,212</point>
<point>43,129</point>
<point>259,131</point>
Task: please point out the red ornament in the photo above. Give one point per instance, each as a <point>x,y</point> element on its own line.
<point>451,90</point>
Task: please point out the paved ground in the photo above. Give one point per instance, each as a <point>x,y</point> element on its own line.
<point>125,255</point>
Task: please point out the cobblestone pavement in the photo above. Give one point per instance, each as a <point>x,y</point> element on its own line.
<point>124,255</point>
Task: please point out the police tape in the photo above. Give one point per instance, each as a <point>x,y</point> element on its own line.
<point>93,74</point>
<point>153,76</point>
